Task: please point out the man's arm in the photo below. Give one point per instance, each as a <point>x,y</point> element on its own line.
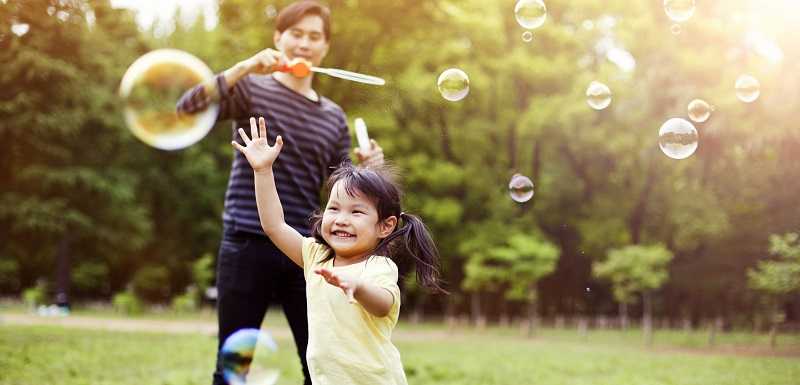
<point>208,92</point>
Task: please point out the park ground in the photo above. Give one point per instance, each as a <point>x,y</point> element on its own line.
<point>99,347</point>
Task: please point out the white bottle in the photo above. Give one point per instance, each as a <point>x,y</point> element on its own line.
<point>361,135</point>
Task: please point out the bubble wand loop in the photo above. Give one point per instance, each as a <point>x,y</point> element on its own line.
<point>301,68</point>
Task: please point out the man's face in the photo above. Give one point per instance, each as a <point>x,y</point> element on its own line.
<point>306,39</point>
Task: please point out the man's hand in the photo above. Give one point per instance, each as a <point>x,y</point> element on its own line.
<point>258,152</point>
<point>371,158</point>
<point>265,62</point>
<point>348,285</point>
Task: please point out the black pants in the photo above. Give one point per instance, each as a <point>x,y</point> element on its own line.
<point>252,274</point>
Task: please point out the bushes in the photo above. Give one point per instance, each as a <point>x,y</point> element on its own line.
<point>151,284</point>
<point>90,278</point>
<point>127,303</point>
<point>37,295</point>
<point>9,276</point>
<point>186,302</point>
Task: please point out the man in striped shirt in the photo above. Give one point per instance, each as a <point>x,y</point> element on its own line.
<point>251,272</point>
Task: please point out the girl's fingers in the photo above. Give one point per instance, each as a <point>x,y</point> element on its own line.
<point>253,130</point>
<point>279,142</point>
<point>262,127</point>
<point>245,139</point>
<point>237,146</point>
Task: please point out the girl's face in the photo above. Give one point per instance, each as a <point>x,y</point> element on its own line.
<point>350,224</point>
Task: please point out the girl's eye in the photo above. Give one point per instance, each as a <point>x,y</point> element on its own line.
<point>332,209</point>
<point>358,212</point>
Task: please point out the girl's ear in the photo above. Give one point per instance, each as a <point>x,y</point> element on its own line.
<point>386,226</point>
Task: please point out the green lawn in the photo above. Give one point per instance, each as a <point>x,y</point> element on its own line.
<point>37,355</point>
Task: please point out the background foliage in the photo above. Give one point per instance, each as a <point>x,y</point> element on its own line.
<point>76,184</point>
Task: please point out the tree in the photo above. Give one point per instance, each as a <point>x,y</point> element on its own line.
<point>62,155</point>
<point>779,277</point>
<point>635,269</point>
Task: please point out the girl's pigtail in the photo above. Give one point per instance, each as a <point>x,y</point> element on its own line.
<point>417,243</point>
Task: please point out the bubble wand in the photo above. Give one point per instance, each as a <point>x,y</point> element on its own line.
<point>301,68</point>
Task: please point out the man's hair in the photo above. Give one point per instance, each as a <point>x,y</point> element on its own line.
<point>296,11</point>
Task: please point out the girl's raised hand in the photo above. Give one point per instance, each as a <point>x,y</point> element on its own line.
<point>258,152</point>
<point>349,286</point>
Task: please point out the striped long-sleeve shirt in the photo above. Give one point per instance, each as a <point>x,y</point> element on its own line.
<point>316,140</point>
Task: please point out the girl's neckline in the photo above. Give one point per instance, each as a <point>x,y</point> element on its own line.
<point>333,262</point>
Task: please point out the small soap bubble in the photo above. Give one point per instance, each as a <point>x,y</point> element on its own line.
<point>747,88</point>
<point>598,95</point>
<point>675,29</point>
<point>679,10</point>
<point>677,138</point>
<point>453,84</point>
<point>530,14</point>
<point>527,36</point>
<point>699,110</point>
<point>520,188</point>
<point>248,358</point>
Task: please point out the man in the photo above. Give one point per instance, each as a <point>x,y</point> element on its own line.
<point>251,271</point>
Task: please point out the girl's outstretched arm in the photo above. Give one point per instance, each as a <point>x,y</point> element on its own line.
<point>261,156</point>
<point>375,299</point>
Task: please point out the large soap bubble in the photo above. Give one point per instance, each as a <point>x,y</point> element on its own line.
<point>151,88</point>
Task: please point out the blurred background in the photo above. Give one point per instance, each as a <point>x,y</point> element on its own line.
<point>616,234</point>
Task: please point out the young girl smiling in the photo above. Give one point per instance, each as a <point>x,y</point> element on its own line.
<point>351,276</point>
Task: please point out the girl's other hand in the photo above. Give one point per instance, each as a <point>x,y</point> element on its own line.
<point>258,152</point>
<point>347,285</point>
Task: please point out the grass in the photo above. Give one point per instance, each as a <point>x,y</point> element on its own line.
<point>34,355</point>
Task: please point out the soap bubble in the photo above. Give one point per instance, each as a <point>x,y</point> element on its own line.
<point>248,358</point>
<point>520,188</point>
<point>151,88</point>
<point>677,138</point>
<point>699,110</point>
<point>527,36</point>
<point>675,29</point>
<point>747,88</point>
<point>453,84</point>
<point>598,95</point>
<point>679,10</point>
<point>530,14</point>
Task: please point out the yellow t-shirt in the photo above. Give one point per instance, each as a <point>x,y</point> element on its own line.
<point>346,344</point>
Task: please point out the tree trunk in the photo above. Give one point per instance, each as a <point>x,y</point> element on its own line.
<point>532,316</point>
<point>63,269</point>
<point>504,317</point>
<point>450,315</point>
<point>583,326</point>
<point>623,316</point>
<point>716,327</point>
<point>647,319</point>
<point>773,335</point>
<point>477,316</point>
<point>419,310</point>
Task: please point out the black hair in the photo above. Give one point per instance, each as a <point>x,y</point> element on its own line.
<point>409,242</point>
<point>296,11</point>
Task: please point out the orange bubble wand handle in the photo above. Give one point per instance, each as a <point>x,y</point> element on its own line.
<point>298,67</point>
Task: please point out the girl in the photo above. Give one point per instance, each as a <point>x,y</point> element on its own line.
<point>351,278</point>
